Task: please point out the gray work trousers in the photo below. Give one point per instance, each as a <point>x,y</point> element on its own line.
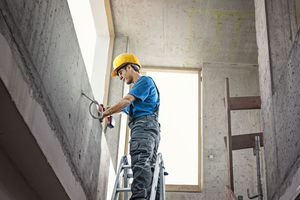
<point>145,137</point>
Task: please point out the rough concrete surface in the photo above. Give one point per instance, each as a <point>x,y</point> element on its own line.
<point>287,116</point>
<point>243,81</point>
<point>279,84</point>
<point>265,81</point>
<point>44,46</point>
<point>280,37</point>
<point>188,33</point>
<point>116,88</point>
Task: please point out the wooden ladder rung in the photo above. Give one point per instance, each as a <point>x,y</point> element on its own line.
<point>244,141</point>
<point>244,103</point>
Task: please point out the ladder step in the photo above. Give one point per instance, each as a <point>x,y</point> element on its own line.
<point>126,166</point>
<point>244,103</point>
<point>244,141</point>
<point>130,175</point>
<point>123,189</point>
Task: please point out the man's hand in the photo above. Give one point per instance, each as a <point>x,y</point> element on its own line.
<point>101,110</point>
<point>103,116</point>
<point>118,107</point>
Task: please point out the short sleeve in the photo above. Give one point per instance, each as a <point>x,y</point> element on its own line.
<point>142,88</point>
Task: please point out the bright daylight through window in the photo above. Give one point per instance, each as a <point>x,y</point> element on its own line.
<point>179,118</point>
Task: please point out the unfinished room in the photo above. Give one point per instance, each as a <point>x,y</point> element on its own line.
<point>150,100</point>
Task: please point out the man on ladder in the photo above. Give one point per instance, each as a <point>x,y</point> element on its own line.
<point>142,105</point>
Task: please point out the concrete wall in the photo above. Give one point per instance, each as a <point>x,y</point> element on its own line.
<point>24,153</point>
<point>278,43</point>
<point>115,94</point>
<point>90,19</point>
<point>243,82</point>
<point>43,70</point>
<point>12,184</point>
<point>188,33</point>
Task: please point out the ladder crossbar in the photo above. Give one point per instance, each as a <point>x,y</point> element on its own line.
<point>123,189</point>
<point>124,167</point>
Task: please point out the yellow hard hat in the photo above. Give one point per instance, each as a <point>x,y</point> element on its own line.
<point>123,59</point>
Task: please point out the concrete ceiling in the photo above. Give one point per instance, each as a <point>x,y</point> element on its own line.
<point>186,33</point>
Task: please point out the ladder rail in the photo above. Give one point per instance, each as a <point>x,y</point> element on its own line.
<point>158,174</point>
<point>117,180</point>
<point>126,182</point>
<point>158,171</point>
<point>236,142</point>
<point>162,181</point>
<point>259,184</point>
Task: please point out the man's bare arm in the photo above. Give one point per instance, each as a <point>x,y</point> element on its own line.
<point>118,107</point>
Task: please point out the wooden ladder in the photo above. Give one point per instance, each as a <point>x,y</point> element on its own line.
<point>243,141</point>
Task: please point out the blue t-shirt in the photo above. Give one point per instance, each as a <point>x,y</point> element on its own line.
<point>146,98</point>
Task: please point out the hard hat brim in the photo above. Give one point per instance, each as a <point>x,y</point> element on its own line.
<point>115,71</point>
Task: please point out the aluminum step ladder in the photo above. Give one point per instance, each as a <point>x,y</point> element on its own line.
<point>124,174</point>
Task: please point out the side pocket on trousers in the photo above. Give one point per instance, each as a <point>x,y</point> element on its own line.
<point>134,145</point>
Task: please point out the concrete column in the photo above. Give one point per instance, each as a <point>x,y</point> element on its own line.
<point>115,94</point>
<point>276,26</point>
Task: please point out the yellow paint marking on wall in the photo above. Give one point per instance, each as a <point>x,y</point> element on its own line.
<point>219,15</point>
<point>235,42</point>
<point>191,13</point>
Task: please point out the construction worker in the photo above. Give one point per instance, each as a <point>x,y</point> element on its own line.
<point>141,104</point>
